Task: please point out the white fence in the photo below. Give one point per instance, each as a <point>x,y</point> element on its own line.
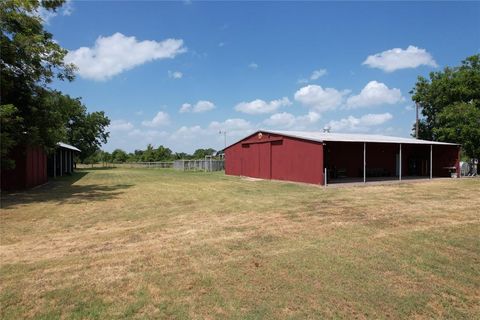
<point>199,165</point>
<point>184,165</point>
<point>156,164</point>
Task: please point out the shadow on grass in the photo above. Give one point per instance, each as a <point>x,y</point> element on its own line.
<point>63,190</point>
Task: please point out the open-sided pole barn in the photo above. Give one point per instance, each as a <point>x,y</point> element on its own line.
<point>62,161</point>
<point>308,156</point>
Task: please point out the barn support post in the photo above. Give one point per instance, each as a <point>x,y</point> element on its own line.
<point>61,162</point>
<point>431,161</point>
<point>400,164</point>
<point>55,164</point>
<point>325,177</point>
<point>364,162</point>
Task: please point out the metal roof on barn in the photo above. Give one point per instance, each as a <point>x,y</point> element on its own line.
<point>347,137</point>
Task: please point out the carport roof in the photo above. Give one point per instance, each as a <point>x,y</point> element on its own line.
<point>352,137</point>
<point>67,146</point>
<point>348,137</point>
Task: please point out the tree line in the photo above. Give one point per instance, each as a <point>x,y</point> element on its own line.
<point>150,154</point>
<point>31,112</point>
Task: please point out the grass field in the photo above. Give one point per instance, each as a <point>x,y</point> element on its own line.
<point>140,243</point>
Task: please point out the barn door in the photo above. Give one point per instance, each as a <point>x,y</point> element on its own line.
<point>264,161</point>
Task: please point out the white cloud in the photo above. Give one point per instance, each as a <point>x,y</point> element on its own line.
<point>309,118</point>
<point>288,120</point>
<point>203,105</point>
<point>185,133</point>
<point>160,119</point>
<point>186,107</point>
<point>259,106</point>
<point>125,136</point>
<point>236,124</point>
<point>175,74</point>
<point>283,119</point>
<point>374,94</point>
<point>200,106</point>
<point>320,99</point>
<point>117,53</point>
<point>318,73</point>
<point>361,124</point>
<point>120,125</point>
<point>397,58</point>
<point>253,66</point>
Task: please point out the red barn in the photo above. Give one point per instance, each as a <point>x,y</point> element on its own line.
<point>32,166</point>
<point>306,156</point>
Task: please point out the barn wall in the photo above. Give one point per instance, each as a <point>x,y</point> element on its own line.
<point>276,157</point>
<point>297,160</point>
<point>30,169</point>
<point>14,179</point>
<point>233,160</point>
<point>36,167</point>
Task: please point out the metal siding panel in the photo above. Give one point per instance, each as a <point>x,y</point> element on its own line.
<point>250,161</point>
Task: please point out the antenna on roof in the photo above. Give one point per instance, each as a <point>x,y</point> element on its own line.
<point>326,129</point>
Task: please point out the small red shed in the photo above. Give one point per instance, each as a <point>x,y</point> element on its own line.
<point>32,166</point>
<point>306,157</point>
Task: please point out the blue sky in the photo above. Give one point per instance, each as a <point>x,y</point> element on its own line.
<point>175,73</point>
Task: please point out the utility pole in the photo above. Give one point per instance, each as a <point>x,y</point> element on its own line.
<point>224,132</point>
<point>416,120</point>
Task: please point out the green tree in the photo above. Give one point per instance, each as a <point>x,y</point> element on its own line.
<point>136,156</point>
<point>181,155</point>
<point>118,155</point>
<point>88,132</point>
<point>9,121</point>
<point>460,122</point>
<point>64,118</point>
<point>201,153</point>
<point>163,154</point>
<point>30,59</point>
<point>450,102</point>
<point>149,154</point>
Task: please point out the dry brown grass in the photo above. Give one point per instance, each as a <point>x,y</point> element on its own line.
<point>139,243</point>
